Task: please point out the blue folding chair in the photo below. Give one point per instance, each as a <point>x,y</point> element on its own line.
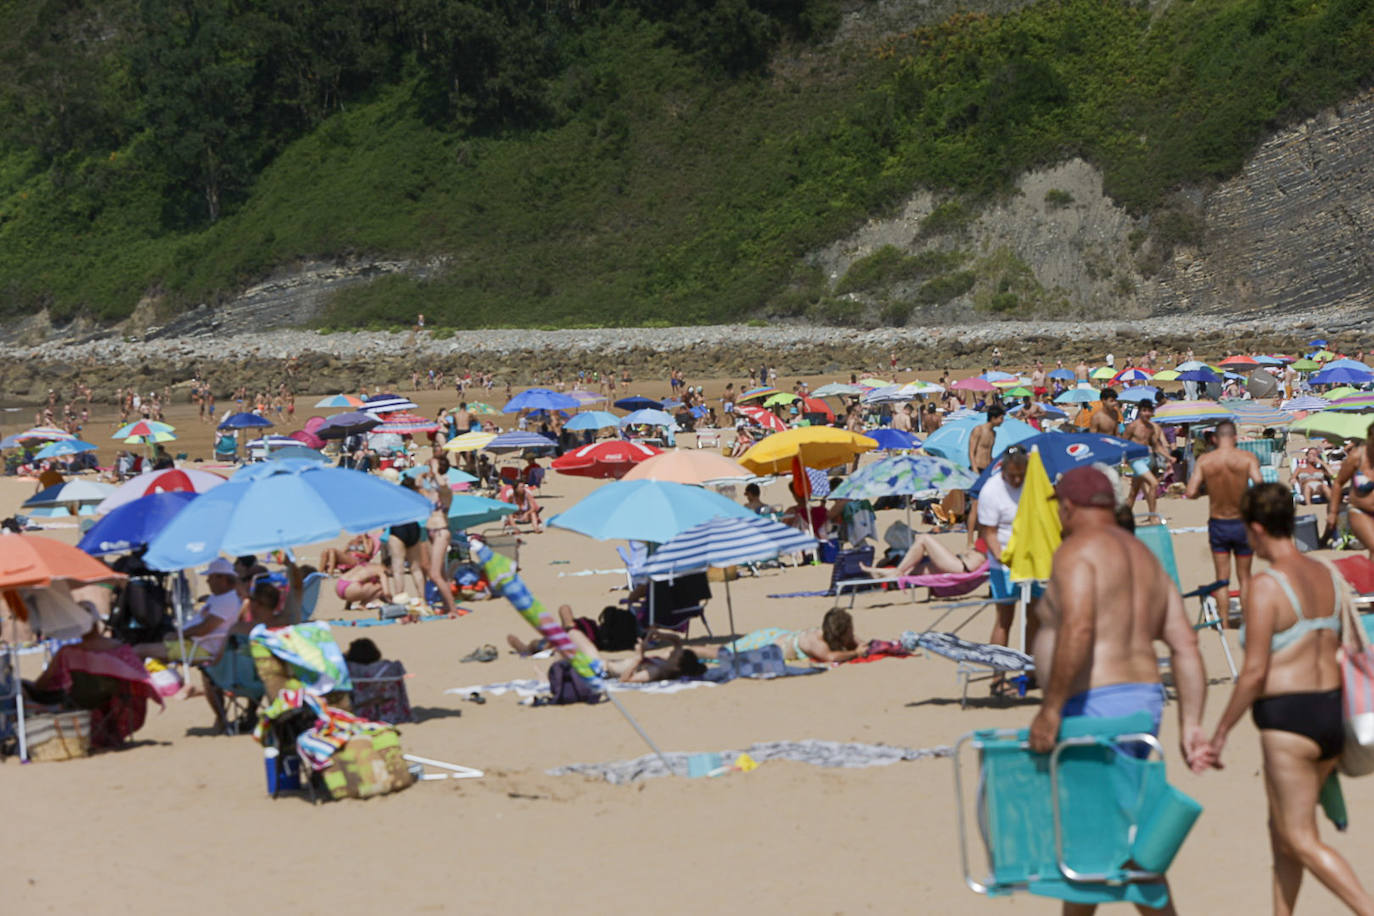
<point>236,676</point>
<point>1090,822</point>
<point>1160,542</point>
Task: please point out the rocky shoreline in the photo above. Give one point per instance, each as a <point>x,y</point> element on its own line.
<point>331,362</point>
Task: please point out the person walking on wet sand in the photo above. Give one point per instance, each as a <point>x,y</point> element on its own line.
<point>1107,601</point>
<point>1226,472</point>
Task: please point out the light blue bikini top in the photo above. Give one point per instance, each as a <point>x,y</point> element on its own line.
<point>1282,639</point>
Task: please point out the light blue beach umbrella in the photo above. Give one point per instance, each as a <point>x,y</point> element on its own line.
<point>904,475</point>
<point>593,419</point>
<point>950,441</point>
<point>63,447</point>
<point>467,510</point>
<point>645,510</point>
<point>280,504</point>
<point>1141,393</point>
<point>1081,395</point>
<point>649,417</point>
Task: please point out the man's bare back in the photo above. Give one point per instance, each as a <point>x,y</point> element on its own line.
<point>1226,472</point>
<point>1127,592</point>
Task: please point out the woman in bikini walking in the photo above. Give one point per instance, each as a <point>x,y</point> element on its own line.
<point>1292,684</point>
<point>436,527</point>
<point>1358,471</point>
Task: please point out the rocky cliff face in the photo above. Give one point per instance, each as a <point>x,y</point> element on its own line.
<point>1292,232</point>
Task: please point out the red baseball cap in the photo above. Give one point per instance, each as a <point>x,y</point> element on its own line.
<point>1086,486</point>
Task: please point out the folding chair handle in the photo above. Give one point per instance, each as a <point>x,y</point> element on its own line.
<point>1207,589</point>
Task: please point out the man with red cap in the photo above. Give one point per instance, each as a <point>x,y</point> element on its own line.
<point>1107,601</point>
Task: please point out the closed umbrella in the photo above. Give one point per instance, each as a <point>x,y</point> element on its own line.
<point>280,504</point>
<point>817,446</point>
<point>645,510</point>
<point>134,524</point>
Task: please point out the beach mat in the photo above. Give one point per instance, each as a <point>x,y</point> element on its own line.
<point>816,753</point>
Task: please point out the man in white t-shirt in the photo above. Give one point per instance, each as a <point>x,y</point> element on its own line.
<point>996,512</point>
<point>206,632</point>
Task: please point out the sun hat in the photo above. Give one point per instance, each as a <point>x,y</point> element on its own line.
<point>219,566</point>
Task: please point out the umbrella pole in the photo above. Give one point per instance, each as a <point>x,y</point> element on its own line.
<point>734,637</point>
<point>1025,609</point>
<point>641,732</point>
<point>19,704</point>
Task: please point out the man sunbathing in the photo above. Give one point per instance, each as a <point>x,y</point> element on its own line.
<point>927,555</point>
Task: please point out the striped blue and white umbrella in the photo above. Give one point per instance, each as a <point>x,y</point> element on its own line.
<point>515,440</point>
<point>1306,402</point>
<point>725,542</point>
<point>388,403</point>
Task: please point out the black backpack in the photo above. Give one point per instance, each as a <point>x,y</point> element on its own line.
<point>617,630</point>
<point>567,686</point>
<point>140,613</point>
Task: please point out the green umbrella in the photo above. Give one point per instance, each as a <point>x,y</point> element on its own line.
<point>1020,391</point>
<point>1344,391</point>
<point>1306,365</point>
<point>782,397</point>
<point>1333,424</point>
<point>904,475</point>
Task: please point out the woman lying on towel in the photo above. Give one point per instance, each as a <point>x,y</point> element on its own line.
<point>642,668</point>
<point>927,555</point>
<point>832,641</point>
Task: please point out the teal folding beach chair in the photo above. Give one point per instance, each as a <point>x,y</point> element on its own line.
<point>1160,542</point>
<point>1090,822</point>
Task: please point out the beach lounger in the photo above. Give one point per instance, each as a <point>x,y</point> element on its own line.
<point>1161,544</point>
<point>941,585</point>
<point>1088,823</point>
<point>1359,572</point>
<point>976,661</point>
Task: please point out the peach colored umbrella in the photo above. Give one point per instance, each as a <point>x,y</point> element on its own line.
<point>688,466</point>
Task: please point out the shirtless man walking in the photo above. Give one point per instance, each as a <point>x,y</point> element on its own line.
<point>1107,420</point>
<point>1107,601</point>
<point>1146,431</point>
<point>1226,472</point>
<point>980,443</point>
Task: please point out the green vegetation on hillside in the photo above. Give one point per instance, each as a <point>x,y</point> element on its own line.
<point>619,162</point>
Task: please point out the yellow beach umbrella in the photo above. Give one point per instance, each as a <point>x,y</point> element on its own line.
<point>818,446</point>
<point>1102,372</point>
<point>1035,533</point>
<point>468,442</point>
<point>1344,391</point>
<point>1166,375</point>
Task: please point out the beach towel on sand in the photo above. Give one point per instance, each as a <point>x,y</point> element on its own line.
<point>817,753</point>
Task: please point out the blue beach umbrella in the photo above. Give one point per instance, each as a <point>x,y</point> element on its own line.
<point>1204,375</point>
<point>540,399</point>
<point>63,447</point>
<point>1142,393</point>
<point>135,523</point>
<point>1061,452</point>
<point>343,425</point>
<point>73,491</point>
<point>1081,395</point>
<point>893,439</point>
<point>467,510</point>
<point>244,420</point>
<point>280,504</point>
<point>726,541</point>
<point>638,402</point>
<point>904,475</point>
<point>1065,374</point>
<point>950,441</point>
<point>388,403</point>
<point>1341,375</point>
<point>645,510</point>
<point>300,451</point>
<point>648,417</point>
<point>593,419</point>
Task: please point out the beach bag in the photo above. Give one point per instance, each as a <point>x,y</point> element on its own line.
<point>1357,689</point>
<point>60,736</point>
<point>369,766</point>
<point>567,686</point>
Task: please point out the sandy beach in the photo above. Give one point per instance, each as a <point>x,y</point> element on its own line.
<point>180,821</point>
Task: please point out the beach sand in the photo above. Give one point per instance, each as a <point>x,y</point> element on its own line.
<point>180,821</point>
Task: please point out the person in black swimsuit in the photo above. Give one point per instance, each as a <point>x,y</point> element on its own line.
<point>1291,682</point>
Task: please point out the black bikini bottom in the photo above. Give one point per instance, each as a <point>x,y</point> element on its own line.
<point>1316,715</point>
